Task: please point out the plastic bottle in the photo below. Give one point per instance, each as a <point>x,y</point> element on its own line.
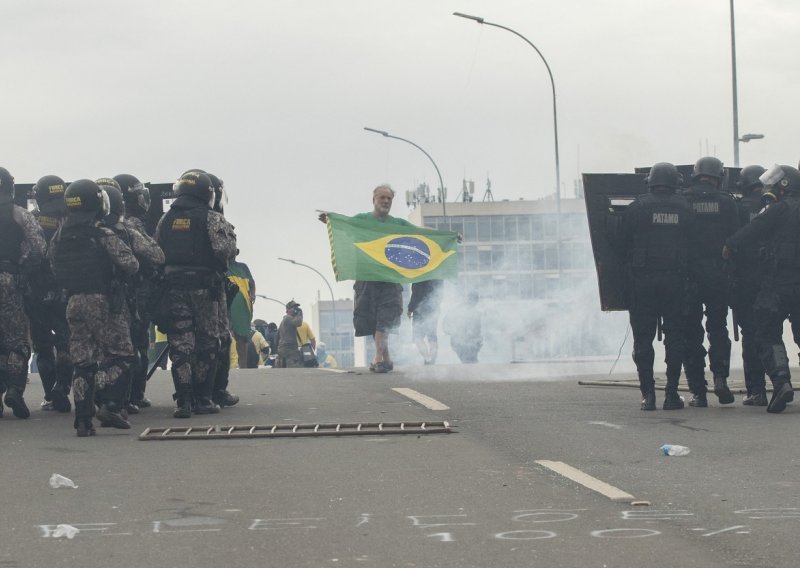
<point>674,450</point>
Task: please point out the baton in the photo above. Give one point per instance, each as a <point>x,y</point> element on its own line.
<point>659,334</point>
<point>154,365</point>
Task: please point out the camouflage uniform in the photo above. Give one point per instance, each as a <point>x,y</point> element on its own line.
<point>150,257</point>
<point>17,226</point>
<point>220,394</point>
<point>99,323</point>
<point>46,309</point>
<point>189,310</point>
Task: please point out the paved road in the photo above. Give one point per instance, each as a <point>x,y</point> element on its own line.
<point>477,497</point>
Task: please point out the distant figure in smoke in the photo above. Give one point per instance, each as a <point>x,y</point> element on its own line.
<point>423,308</point>
<point>463,325</point>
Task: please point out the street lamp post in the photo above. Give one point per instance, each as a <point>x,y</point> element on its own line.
<point>552,85</point>
<point>555,126</point>
<point>333,300</point>
<point>272,299</point>
<point>441,185</point>
<point>736,138</point>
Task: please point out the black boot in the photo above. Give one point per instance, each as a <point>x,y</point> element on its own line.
<point>672,400</point>
<point>16,403</point>
<point>224,398</point>
<point>204,405</point>
<point>781,394</point>
<point>60,399</point>
<point>648,400</point>
<point>722,391</point>
<point>84,427</point>
<point>699,400</point>
<point>109,414</point>
<point>183,408</point>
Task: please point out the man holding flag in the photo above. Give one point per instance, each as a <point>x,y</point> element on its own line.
<point>380,253</point>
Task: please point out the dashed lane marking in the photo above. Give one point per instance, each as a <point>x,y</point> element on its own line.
<point>587,481</point>
<point>426,401</point>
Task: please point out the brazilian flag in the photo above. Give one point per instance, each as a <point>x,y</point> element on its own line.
<point>364,249</point>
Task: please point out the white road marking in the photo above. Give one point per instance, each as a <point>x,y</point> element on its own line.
<point>424,400</point>
<point>587,480</point>
<point>729,529</point>
<point>608,424</point>
<point>333,370</point>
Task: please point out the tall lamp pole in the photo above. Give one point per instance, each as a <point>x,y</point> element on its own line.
<point>735,95</point>
<point>441,185</point>
<point>333,300</point>
<point>555,124</point>
<point>552,85</point>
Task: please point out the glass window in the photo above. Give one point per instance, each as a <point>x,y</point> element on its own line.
<point>498,228</point>
<point>525,261</point>
<point>486,290</point>
<point>485,260</point>
<point>498,258</point>
<point>470,259</point>
<point>470,230</point>
<point>511,257</point>
<point>550,257</point>
<point>537,228</point>
<point>526,287</point>
<point>524,228</point>
<point>510,228</point>
<point>484,229</point>
<point>549,227</point>
<point>538,257</point>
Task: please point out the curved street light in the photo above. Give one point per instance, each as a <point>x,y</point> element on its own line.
<point>552,85</point>
<point>272,299</point>
<point>441,185</point>
<point>555,126</point>
<point>333,300</point>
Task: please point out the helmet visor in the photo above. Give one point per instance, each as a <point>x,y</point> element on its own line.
<point>772,175</point>
<point>142,194</point>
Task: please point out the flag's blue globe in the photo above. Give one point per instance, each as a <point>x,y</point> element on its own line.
<point>408,252</point>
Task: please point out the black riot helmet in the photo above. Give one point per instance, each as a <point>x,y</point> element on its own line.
<point>748,179</point>
<point>220,197</point>
<point>49,194</point>
<point>135,193</point>
<point>709,166</point>
<point>782,180</point>
<point>6,183</point>
<point>116,203</point>
<point>86,202</point>
<point>195,184</point>
<point>663,175</point>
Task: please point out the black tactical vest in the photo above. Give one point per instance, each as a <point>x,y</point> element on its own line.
<point>786,241</point>
<point>748,257</point>
<point>183,236</point>
<point>712,211</point>
<point>81,264</point>
<point>660,233</point>
<point>11,237</point>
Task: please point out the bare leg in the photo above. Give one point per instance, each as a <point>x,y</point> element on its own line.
<point>382,347</point>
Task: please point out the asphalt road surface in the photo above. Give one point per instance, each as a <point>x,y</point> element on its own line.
<point>539,471</point>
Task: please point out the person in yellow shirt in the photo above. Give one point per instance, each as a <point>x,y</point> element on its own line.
<point>326,360</point>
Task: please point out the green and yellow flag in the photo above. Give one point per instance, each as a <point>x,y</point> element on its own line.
<point>364,249</point>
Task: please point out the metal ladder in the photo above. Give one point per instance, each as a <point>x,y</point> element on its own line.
<point>295,430</point>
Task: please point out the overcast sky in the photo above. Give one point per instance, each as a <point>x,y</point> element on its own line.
<point>273,96</point>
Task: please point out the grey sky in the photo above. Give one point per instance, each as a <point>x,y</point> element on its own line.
<point>272,96</point>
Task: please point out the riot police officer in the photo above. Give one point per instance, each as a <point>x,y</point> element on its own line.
<point>220,395</point>
<point>716,218</point>
<point>653,242</point>
<point>46,307</point>
<point>150,258</point>
<point>198,244</point>
<point>86,259</point>
<point>746,271</point>
<point>779,294</point>
<point>22,248</point>
<point>136,198</point>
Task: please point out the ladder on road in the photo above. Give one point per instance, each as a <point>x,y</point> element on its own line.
<point>295,430</point>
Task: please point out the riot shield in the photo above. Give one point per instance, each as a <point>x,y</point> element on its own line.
<point>606,196</point>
